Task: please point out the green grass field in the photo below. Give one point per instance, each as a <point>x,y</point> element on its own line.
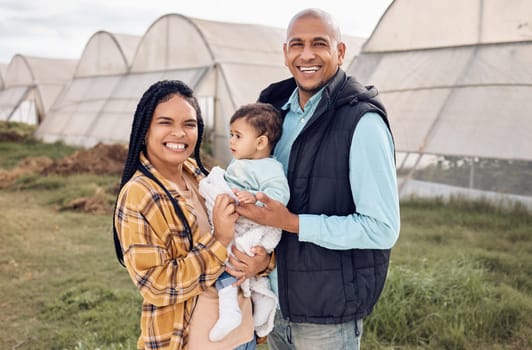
<point>460,276</point>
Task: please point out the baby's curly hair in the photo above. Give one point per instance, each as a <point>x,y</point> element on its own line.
<point>264,118</point>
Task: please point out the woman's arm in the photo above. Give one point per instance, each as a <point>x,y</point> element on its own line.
<point>156,254</point>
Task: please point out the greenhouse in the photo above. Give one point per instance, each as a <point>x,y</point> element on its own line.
<point>227,64</point>
<point>104,61</point>
<point>458,96</point>
<point>31,85</point>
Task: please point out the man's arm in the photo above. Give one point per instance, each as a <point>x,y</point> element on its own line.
<point>372,175</point>
<point>373,180</point>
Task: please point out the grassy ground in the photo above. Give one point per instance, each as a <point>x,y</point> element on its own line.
<point>460,275</point>
<point>60,282</point>
<point>460,278</point>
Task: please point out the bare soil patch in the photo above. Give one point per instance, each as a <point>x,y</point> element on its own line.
<point>100,159</point>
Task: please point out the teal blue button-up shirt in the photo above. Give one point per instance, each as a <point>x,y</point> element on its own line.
<point>373,180</point>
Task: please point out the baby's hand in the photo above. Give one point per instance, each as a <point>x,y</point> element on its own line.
<point>245,197</point>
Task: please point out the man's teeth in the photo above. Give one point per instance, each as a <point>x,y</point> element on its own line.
<point>175,145</point>
<point>308,69</point>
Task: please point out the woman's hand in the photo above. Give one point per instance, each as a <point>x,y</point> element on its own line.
<point>243,266</point>
<point>224,216</point>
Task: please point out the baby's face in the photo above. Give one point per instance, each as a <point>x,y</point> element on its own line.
<point>244,140</point>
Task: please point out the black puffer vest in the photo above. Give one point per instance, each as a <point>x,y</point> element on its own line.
<point>319,285</point>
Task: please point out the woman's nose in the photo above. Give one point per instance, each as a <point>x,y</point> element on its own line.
<point>178,132</point>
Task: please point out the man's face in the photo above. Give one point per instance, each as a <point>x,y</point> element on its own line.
<point>312,54</point>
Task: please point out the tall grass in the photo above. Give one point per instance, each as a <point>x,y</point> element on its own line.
<point>447,305</point>
<point>460,274</point>
<point>460,278</point>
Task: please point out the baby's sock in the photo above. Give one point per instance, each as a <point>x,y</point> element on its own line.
<point>262,306</point>
<point>229,316</point>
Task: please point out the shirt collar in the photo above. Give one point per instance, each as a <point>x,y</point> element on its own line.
<point>189,166</point>
<point>293,102</point>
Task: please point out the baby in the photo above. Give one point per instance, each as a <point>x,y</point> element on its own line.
<point>255,129</point>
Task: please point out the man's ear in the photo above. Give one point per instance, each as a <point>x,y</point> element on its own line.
<point>285,48</point>
<point>262,142</point>
<point>341,53</point>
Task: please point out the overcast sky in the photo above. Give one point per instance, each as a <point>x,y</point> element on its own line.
<point>61,28</point>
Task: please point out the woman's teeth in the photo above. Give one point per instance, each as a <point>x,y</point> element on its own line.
<point>175,145</point>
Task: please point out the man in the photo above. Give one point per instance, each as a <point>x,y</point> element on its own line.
<point>343,214</point>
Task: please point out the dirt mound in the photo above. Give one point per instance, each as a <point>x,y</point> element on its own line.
<point>96,204</point>
<point>25,166</point>
<point>101,160</point>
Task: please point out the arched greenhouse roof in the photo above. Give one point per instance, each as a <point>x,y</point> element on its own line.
<point>28,70</point>
<point>107,54</point>
<point>175,41</point>
<point>37,78</point>
<point>418,24</point>
<point>455,76</point>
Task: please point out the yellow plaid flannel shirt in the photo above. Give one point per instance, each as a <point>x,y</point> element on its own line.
<point>156,251</point>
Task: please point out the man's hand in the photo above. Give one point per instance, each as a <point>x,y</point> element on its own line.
<point>274,214</point>
<point>243,266</point>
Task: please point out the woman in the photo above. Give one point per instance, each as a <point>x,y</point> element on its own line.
<point>161,229</point>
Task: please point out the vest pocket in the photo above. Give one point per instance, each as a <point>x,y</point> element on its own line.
<point>350,284</point>
<point>316,294</point>
<point>365,280</point>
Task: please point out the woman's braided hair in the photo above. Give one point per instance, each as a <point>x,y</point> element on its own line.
<point>158,93</point>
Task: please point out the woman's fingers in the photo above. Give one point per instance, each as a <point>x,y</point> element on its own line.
<point>247,265</point>
<point>224,217</point>
<point>239,275</point>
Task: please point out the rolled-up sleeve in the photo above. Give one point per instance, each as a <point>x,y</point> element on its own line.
<point>372,175</point>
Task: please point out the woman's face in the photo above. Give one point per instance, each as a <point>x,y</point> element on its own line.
<point>172,134</point>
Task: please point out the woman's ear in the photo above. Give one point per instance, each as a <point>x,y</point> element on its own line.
<point>262,142</point>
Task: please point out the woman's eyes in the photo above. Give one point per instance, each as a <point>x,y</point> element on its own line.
<point>186,125</point>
